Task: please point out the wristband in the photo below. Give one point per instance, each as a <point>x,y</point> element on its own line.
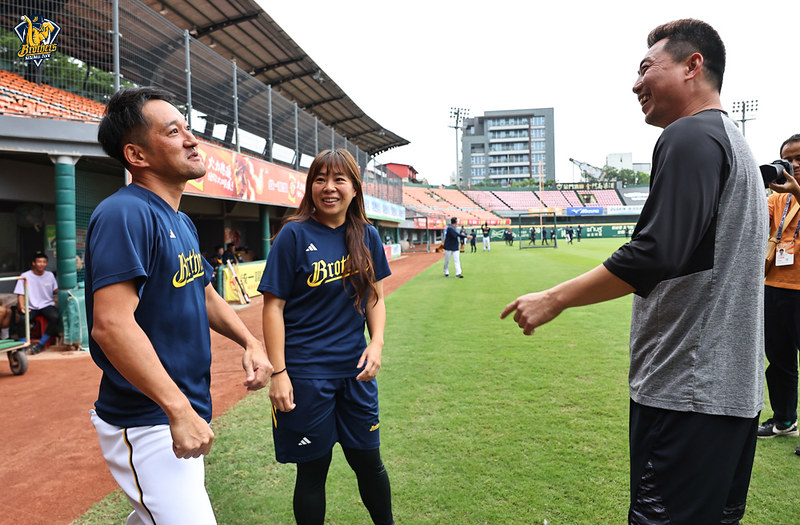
<point>278,372</point>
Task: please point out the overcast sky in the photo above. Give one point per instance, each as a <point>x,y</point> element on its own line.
<point>405,64</point>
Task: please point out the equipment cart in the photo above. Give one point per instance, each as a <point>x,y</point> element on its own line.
<point>16,350</point>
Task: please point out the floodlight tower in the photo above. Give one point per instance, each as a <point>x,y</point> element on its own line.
<point>457,116</point>
<point>743,107</point>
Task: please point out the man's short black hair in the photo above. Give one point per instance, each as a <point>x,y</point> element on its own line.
<point>793,138</point>
<point>123,121</point>
<point>38,255</point>
<point>689,36</point>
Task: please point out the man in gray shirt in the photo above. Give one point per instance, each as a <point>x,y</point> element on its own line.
<point>695,265</point>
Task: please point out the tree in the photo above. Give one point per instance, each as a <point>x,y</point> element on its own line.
<point>627,177</point>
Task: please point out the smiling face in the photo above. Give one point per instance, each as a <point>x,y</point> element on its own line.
<point>39,265</point>
<point>660,86</point>
<point>170,148</point>
<point>332,191</point>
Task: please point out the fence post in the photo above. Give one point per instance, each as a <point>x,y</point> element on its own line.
<point>269,114</point>
<point>115,38</point>
<point>296,139</point>
<point>236,107</point>
<point>186,43</point>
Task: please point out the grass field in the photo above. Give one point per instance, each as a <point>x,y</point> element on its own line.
<point>481,424</point>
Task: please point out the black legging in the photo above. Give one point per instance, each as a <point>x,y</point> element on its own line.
<point>373,485</point>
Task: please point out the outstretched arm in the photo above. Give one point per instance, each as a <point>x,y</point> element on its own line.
<point>224,320</point>
<point>595,286</point>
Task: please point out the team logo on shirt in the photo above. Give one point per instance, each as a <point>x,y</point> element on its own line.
<point>325,272</point>
<point>190,267</point>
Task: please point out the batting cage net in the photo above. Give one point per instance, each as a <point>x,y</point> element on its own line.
<point>537,230</point>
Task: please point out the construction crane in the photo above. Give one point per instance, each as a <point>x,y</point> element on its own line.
<point>588,171</point>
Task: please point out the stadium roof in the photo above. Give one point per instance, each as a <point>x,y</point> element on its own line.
<point>241,29</point>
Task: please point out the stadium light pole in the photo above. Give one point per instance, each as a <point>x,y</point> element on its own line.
<point>743,106</point>
<point>457,116</point>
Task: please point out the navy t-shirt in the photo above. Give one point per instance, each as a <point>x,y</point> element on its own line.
<point>134,234</point>
<point>324,331</point>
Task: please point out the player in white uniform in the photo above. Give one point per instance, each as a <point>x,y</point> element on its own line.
<point>149,305</point>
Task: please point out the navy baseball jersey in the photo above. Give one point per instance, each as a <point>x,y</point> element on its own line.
<point>136,235</point>
<point>324,331</point>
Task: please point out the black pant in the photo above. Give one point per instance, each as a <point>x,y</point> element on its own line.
<point>781,341</point>
<point>373,486</point>
<point>53,321</point>
<point>689,468</point>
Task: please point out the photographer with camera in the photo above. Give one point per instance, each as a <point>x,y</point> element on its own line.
<point>782,294</point>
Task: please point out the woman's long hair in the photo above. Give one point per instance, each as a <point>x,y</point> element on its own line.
<point>358,269</point>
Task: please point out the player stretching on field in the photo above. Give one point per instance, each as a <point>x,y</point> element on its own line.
<point>149,304</point>
<point>321,283</point>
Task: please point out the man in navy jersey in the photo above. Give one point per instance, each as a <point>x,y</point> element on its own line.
<point>452,239</point>
<point>149,305</point>
<point>695,263</point>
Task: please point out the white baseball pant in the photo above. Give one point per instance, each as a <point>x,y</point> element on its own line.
<point>162,488</point>
<point>456,259</point>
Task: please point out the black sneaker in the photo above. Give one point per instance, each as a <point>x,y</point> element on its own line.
<point>35,348</point>
<point>771,428</point>
<point>460,276</point>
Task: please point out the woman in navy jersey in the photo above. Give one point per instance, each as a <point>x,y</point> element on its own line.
<point>321,286</point>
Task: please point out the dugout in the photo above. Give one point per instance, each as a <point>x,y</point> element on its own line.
<point>53,173</point>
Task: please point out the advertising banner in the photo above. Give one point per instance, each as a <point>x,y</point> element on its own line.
<point>235,176</point>
<point>589,185</point>
<point>586,210</point>
<point>384,210</point>
<point>249,276</point>
<point>624,210</point>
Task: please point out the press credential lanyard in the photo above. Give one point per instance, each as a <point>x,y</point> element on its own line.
<point>784,255</point>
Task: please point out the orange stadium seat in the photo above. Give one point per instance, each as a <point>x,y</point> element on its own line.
<point>553,199</point>
<point>600,197</point>
<point>572,198</point>
<point>28,98</point>
<point>487,200</point>
<point>445,203</point>
<point>519,200</point>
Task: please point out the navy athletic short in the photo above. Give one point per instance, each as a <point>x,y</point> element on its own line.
<point>326,411</point>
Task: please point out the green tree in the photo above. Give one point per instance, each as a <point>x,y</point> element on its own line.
<point>627,177</point>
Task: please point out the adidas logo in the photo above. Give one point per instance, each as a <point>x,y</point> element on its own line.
<point>304,441</point>
<point>171,235</point>
<point>311,248</point>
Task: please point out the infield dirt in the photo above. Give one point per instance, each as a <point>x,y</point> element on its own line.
<point>51,469</point>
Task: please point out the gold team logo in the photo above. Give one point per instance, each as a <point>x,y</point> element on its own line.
<point>190,268</point>
<point>38,36</point>
<point>325,272</point>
